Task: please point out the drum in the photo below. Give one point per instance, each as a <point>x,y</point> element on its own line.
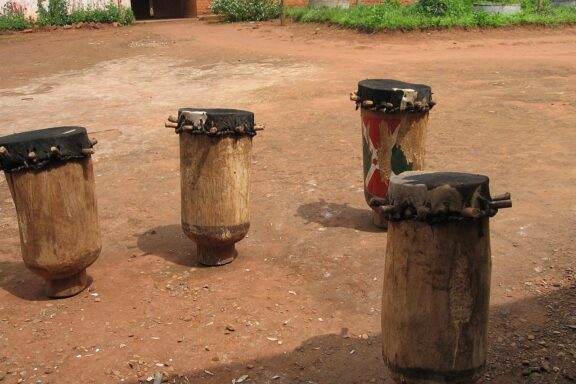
<point>50,176</point>
<point>215,158</point>
<point>437,276</point>
<point>394,116</point>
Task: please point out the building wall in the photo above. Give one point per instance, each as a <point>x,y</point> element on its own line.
<point>30,7</point>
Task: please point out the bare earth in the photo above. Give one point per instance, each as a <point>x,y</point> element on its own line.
<point>302,301</point>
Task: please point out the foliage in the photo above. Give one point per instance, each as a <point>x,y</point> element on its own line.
<point>12,17</point>
<point>246,10</point>
<point>456,13</point>
<point>111,14</point>
<point>55,14</point>
<point>432,7</point>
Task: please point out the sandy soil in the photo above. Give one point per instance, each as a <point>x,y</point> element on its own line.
<point>303,298</point>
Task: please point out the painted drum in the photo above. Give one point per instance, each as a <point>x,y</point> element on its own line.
<point>394,117</point>
<point>50,176</point>
<point>437,276</point>
<point>215,158</point>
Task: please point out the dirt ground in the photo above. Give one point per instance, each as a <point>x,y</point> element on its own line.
<point>303,298</point>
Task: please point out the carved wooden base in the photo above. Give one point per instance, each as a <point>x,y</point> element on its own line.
<point>68,286</point>
<point>216,256</point>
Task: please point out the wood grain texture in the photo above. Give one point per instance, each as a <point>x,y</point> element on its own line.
<point>215,184</point>
<point>435,300</point>
<point>58,220</point>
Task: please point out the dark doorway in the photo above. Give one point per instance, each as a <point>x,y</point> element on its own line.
<point>163,9</point>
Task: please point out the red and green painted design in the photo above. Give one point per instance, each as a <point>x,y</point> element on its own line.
<point>375,183</point>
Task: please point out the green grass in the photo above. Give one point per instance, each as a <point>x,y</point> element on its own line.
<point>56,12</point>
<point>12,17</point>
<point>13,22</point>
<point>393,16</point>
<point>111,14</point>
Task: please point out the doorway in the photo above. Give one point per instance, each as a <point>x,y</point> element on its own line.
<point>163,9</point>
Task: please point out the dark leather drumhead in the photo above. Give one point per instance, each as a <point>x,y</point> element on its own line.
<point>439,196</point>
<point>216,122</point>
<point>394,95</point>
<point>16,149</point>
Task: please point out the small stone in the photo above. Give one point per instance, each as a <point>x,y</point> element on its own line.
<point>48,370</point>
<point>364,336</point>
<point>97,299</point>
<point>531,337</point>
<point>230,328</point>
<point>250,366</point>
<point>545,367</point>
<point>568,375</point>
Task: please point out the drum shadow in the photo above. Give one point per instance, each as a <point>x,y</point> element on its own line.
<point>170,243</point>
<point>19,281</point>
<point>338,215</point>
<point>329,358</point>
<point>354,358</point>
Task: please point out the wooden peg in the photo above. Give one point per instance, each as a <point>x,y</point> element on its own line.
<point>239,129</point>
<point>88,151</point>
<point>3,151</point>
<point>54,150</point>
<point>367,103</point>
<point>172,119</point>
<point>504,196</point>
<point>354,96</point>
<point>32,155</point>
<point>213,130</point>
<point>187,128</point>
<point>93,141</point>
<point>377,202</point>
<point>422,212</point>
<point>471,212</point>
<point>387,209</point>
<point>259,127</point>
<point>500,204</point>
<point>170,124</point>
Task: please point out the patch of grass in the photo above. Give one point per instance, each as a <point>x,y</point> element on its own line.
<point>56,12</point>
<point>434,14</point>
<point>111,14</point>
<point>246,10</point>
<point>12,17</point>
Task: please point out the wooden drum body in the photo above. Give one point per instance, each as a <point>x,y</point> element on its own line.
<point>215,158</point>
<point>437,277</point>
<point>51,181</point>
<point>394,118</point>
